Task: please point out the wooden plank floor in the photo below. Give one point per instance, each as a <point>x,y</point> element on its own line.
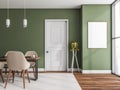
<point>98,81</point>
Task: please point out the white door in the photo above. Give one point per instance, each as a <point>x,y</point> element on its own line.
<point>56,45</point>
<point>116,38</point>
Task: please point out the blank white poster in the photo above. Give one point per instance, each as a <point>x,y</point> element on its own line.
<point>97,34</point>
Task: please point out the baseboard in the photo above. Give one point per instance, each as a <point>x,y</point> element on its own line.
<point>43,69</point>
<point>39,69</point>
<point>96,71</point>
<point>75,69</point>
<point>30,70</point>
<point>83,71</point>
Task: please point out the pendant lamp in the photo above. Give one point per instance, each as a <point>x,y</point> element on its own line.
<point>7,20</point>
<point>24,20</point>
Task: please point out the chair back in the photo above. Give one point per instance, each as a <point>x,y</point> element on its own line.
<point>8,52</point>
<point>1,65</point>
<point>31,53</point>
<point>6,56</point>
<point>17,61</point>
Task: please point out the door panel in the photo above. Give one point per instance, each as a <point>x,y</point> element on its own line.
<point>56,45</point>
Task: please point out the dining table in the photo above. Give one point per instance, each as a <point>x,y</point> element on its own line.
<point>29,59</point>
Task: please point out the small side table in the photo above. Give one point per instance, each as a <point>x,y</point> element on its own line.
<point>74,58</point>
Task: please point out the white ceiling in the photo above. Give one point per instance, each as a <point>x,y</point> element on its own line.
<point>51,4</point>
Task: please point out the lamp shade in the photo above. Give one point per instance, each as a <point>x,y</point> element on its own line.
<point>24,23</point>
<point>7,23</point>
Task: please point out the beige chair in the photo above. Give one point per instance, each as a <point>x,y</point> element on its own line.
<point>5,63</point>
<point>1,67</point>
<point>16,61</point>
<point>32,54</point>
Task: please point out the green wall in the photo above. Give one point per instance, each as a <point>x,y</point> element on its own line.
<point>32,38</point>
<point>96,59</point>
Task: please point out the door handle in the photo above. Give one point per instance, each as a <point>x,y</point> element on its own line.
<point>46,51</point>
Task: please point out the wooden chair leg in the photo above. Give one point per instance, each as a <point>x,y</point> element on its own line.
<point>8,77</point>
<point>28,75</point>
<point>21,73</point>
<point>33,69</point>
<point>23,76</point>
<point>13,74</point>
<point>1,75</point>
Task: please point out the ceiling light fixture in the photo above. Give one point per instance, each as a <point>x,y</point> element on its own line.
<point>7,20</point>
<point>24,20</point>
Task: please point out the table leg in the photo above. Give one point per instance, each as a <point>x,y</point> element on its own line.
<point>5,70</point>
<point>36,70</point>
<point>5,66</point>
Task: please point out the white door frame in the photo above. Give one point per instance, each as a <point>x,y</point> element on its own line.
<point>65,20</point>
<point>113,33</point>
<point>114,59</point>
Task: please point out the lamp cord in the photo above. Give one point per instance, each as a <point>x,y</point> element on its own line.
<point>7,9</point>
<point>24,9</point>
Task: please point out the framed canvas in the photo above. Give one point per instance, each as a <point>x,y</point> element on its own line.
<point>97,34</point>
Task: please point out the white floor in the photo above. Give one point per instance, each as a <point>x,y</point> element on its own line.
<point>46,81</point>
